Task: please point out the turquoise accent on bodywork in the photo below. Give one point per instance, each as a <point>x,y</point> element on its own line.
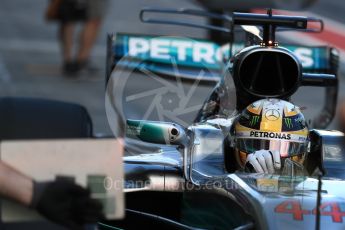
<point>149,131</point>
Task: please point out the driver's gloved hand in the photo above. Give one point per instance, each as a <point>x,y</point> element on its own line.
<point>263,161</point>
<point>66,203</point>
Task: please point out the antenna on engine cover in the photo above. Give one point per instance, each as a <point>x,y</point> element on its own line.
<point>269,32</point>
<point>271,23</point>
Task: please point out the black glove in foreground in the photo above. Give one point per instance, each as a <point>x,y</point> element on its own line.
<point>66,203</point>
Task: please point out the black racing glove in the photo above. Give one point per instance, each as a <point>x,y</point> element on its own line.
<point>66,203</point>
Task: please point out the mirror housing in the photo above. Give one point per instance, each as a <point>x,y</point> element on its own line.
<point>156,132</point>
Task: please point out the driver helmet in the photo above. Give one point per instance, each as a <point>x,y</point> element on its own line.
<point>271,124</point>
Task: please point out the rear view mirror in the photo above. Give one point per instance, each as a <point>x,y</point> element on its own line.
<point>165,133</point>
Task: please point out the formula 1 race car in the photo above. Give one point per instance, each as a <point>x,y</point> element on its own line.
<point>182,175</point>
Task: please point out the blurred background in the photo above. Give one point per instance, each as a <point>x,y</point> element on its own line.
<point>30,56</point>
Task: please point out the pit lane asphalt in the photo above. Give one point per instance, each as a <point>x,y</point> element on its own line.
<point>30,58</point>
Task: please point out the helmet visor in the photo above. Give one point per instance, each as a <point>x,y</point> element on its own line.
<point>285,148</point>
